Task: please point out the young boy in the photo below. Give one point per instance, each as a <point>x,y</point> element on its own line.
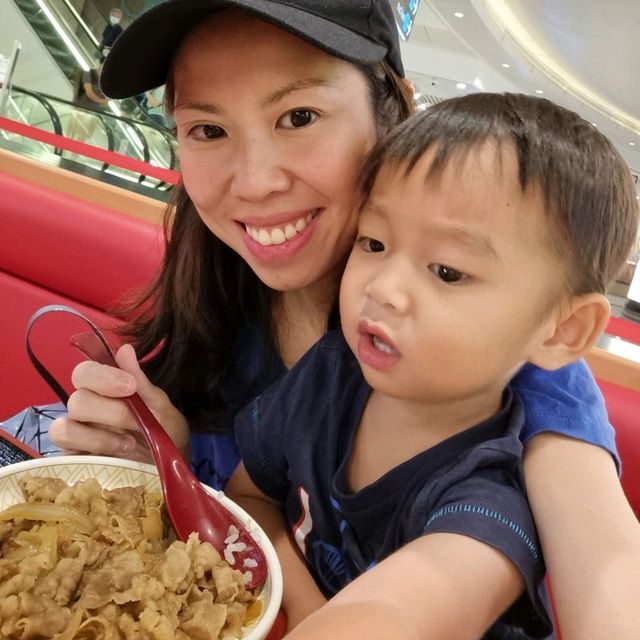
<point>490,228</point>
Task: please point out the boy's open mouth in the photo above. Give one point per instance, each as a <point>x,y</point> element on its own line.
<point>380,344</point>
<point>375,348</point>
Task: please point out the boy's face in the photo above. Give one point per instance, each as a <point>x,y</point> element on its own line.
<point>444,290</point>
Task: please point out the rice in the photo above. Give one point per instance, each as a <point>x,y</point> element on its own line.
<point>231,548</point>
<point>232,534</point>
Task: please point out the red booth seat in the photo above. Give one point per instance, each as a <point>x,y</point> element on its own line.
<point>57,248</point>
<point>623,404</point>
<point>625,329</point>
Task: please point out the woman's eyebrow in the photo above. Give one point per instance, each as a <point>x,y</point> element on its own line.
<point>296,85</point>
<point>216,110</point>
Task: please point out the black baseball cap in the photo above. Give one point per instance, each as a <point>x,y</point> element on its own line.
<point>360,31</point>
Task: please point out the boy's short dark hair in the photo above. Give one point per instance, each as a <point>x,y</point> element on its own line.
<point>587,187</point>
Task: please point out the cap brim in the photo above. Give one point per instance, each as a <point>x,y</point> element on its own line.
<point>140,58</point>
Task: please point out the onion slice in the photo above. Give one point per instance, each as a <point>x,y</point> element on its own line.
<point>48,512</point>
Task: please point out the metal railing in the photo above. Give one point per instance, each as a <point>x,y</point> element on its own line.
<point>142,141</point>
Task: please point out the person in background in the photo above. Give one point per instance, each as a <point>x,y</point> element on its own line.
<point>153,104</point>
<point>90,95</point>
<point>396,459</point>
<point>276,104</point>
<point>111,32</point>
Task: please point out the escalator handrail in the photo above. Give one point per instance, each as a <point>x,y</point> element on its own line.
<point>145,148</point>
<point>51,112</point>
<point>110,137</point>
<point>169,136</point>
<point>70,103</point>
<point>166,134</point>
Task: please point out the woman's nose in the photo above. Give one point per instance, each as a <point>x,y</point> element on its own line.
<point>258,171</point>
<point>390,288</point>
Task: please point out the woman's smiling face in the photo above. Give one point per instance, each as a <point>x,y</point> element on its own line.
<point>272,132</point>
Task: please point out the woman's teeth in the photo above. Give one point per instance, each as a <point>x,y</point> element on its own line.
<point>382,346</point>
<point>278,235</point>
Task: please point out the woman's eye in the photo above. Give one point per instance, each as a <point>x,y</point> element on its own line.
<point>207,132</point>
<point>447,274</point>
<point>370,245</point>
<point>298,118</point>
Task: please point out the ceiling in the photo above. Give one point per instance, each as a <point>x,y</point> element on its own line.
<point>583,54</point>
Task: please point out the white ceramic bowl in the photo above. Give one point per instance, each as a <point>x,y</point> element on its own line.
<point>112,473</point>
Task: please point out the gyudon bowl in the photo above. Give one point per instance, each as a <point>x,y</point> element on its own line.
<point>118,569</point>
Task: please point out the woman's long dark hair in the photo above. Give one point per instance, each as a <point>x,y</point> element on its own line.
<point>187,325</point>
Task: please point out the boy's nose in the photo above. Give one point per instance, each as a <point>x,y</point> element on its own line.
<point>258,172</point>
<point>389,288</point>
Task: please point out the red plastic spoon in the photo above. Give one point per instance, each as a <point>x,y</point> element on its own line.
<point>189,505</point>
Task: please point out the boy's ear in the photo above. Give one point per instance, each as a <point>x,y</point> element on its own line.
<point>573,331</point>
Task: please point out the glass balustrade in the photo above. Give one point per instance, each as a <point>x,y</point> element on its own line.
<point>144,141</point>
<point>29,108</point>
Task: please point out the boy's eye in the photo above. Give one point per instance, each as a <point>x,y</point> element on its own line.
<point>447,274</point>
<point>298,118</point>
<point>370,245</point>
<point>207,132</point>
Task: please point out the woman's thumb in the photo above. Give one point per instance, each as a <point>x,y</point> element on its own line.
<point>128,362</point>
<point>155,398</point>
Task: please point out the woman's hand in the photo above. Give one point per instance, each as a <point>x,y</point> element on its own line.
<point>99,422</point>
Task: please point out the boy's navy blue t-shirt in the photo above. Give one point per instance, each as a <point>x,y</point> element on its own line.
<point>296,439</point>
<point>565,401</point>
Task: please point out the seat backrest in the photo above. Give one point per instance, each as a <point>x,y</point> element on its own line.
<point>79,249</point>
<point>58,248</point>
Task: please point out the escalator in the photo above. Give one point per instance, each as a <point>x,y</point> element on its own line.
<point>71,32</point>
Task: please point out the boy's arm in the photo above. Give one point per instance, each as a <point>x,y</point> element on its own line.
<point>441,586</point>
<point>301,595</point>
<point>590,537</point>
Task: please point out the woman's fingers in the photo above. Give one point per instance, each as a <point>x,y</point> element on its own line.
<point>73,436</point>
<point>103,379</point>
<point>87,406</point>
<point>100,422</point>
<point>99,425</point>
<point>155,398</point>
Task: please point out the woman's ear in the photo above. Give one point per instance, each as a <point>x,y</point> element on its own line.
<point>573,331</point>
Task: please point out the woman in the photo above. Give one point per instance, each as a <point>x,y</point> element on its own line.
<point>275,107</point>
